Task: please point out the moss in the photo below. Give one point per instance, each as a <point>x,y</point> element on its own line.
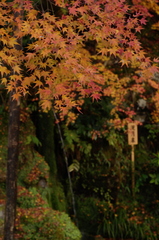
<point>36,220</point>
<point>58,198</point>
<point>45,223</point>
<point>44,123</point>
<point>33,169</point>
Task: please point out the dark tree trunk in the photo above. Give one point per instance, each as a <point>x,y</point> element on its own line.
<point>11,181</point>
<point>13,145</point>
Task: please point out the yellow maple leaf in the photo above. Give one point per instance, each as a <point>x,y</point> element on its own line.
<point>155,26</point>
<point>12,42</point>
<point>46,105</point>
<point>4,71</point>
<point>10,60</point>
<point>32,14</point>
<point>4,81</point>
<point>16,69</point>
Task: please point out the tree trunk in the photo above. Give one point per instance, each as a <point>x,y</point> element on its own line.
<point>11,181</point>
<point>13,145</point>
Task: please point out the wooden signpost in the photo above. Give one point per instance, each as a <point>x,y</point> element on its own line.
<point>132,140</point>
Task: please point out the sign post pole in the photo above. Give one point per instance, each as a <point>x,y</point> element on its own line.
<point>132,140</point>
<point>133,170</point>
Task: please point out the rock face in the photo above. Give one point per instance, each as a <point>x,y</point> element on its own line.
<point>1,219</point>
<point>2,211</point>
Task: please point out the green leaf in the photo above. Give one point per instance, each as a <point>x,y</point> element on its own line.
<point>32,139</point>
<point>154,178</point>
<point>74,166</point>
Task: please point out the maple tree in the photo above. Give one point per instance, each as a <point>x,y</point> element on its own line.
<point>150,43</point>
<point>56,63</point>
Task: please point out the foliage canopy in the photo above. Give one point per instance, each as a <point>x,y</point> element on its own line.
<point>65,53</point>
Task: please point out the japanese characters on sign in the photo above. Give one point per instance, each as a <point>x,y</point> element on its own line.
<point>132,134</point>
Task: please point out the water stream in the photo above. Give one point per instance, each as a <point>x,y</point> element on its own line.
<point>68,173</point>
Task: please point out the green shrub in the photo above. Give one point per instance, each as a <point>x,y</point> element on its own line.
<point>33,169</point>
<point>37,221</point>
<point>120,221</point>
<point>30,198</point>
<point>45,223</point>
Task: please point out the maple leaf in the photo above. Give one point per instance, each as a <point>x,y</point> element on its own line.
<point>96,96</point>
<point>73,10</point>
<point>124,62</point>
<point>27,81</point>
<point>26,27</point>
<point>12,42</point>
<point>127,55</point>
<point>30,56</point>
<point>113,51</point>
<point>27,4</point>
<point>156,60</point>
<point>143,21</point>
<point>32,14</point>
<point>4,71</point>
<point>16,69</point>
<point>4,81</point>
<point>60,3</point>
<point>138,29</point>
<point>16,96</point>
<point>10,60</point>
<point>46,105</point>
<point>45,51</point>
<point>153,84</point>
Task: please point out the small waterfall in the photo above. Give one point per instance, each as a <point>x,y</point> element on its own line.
<point>69,176</point>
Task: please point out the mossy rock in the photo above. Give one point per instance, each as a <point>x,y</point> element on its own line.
<point>33,169</point>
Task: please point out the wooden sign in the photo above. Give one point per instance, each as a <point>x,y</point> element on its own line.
<point>132,134</point>
<point>132,140</point>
